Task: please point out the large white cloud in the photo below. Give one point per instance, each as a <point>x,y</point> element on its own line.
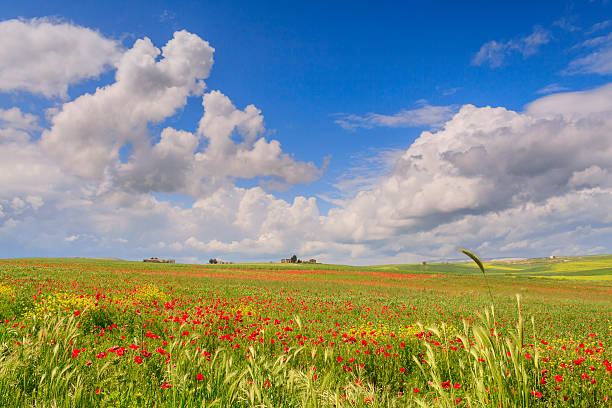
<point>485,163</point>
<point>72,188</point>
<point>87,133</point>
<point>46,57</point>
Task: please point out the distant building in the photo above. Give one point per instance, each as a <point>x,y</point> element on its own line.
<point>289,260</point>
<point>424,263</point>
<point>157,260</point>
<point>552,257</point>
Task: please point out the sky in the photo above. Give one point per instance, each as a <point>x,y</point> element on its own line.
<point>343,131</point>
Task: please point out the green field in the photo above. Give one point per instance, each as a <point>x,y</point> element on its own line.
<point>84,332</point>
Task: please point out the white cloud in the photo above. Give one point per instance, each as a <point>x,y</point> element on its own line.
<point>599,27</point>
<point>368,169</point>
<point>233,148</point>
<point>87,133</point>
<point>24,168</point>
<point>426,116</point>
<point>14,118</point>
<point>486,162</point>
<point>597,61</point>
<point>71,238</point>
<point>16,126</point>
<point>46,57</point>
<point>551,88</point>
<point>493,53</point>
<point>253,155</point>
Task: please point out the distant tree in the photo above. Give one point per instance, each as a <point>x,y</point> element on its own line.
<point>213,261</point>
<point>294,259</point>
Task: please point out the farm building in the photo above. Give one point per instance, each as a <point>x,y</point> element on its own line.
<point>157,260</point>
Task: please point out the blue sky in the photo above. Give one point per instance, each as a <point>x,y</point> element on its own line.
<point>345,88</point>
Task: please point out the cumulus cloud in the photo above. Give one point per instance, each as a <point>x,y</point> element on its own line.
<point>14,118</point>
<point>493,53</point>
<point>253,154</point>
<point>46,57</point>
<point>16,126</point>
<point>425,116</point>
<point>72,180</point>
<point>24,167</point>
<point>233,147</point>
<point>486,162</point>
<point>598,59</point>
<point>87,133</point>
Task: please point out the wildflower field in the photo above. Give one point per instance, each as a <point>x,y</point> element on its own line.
<point>89,333</point>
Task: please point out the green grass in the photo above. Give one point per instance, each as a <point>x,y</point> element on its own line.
<point>300,331</point>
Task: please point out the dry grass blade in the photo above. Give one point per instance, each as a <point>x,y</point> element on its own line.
<point>481,266</point>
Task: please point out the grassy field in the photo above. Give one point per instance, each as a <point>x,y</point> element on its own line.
<point>82,333</point>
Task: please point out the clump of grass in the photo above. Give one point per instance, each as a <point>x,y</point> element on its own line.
<point>492,369</point>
